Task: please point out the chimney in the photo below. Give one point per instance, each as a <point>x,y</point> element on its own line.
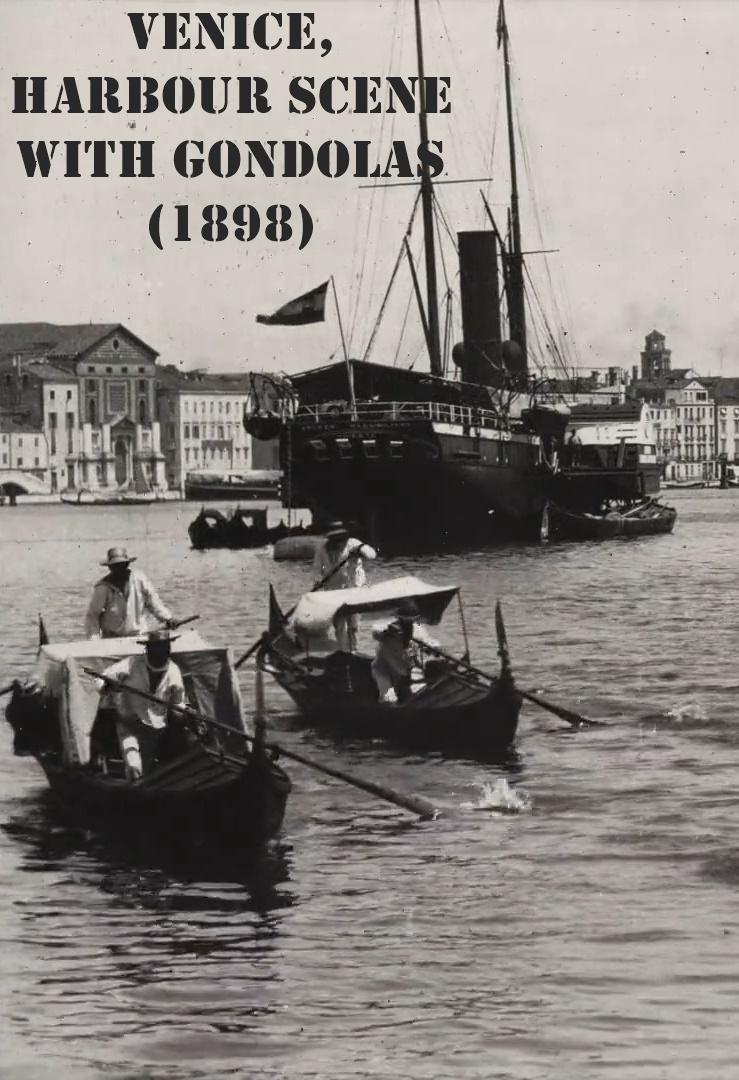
<point>479,357</point>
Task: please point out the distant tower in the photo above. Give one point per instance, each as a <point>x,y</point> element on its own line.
<point>655,360</point>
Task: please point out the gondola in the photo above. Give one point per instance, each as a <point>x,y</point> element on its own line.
<point>452,708</point>
<point>240,529</point>
<point>213,798</point>
<point>649,518</point>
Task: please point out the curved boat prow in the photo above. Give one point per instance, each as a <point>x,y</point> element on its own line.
<point>277,617</point>
<point>506,672</point>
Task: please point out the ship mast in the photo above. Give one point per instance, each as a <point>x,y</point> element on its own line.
<point>516,301</point>
<point>427,203</point>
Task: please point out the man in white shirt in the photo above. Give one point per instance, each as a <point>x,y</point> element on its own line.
<point>140,723</point>
<point>122,599</point>
<point>343,554</point>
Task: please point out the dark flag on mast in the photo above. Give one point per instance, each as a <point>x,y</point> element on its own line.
<point>308,308</point>
<point>501,27</point>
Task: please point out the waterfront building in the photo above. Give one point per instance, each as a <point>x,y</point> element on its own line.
<point>89,390</point>
<point>202,418</point>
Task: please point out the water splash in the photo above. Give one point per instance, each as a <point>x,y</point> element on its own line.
<point>691,712</point>
<point>499,797</point>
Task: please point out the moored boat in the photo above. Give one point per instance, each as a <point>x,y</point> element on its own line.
<point>212,799</point>
<point>251,484</point>
<point>648,518</point>
<point>239,529</point>
<point>452,708</point>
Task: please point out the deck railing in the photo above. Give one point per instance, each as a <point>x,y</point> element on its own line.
<point>466,416</point>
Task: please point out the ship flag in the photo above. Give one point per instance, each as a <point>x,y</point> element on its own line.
<point>305,309</point>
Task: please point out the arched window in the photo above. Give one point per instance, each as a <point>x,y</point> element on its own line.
<point>142,411</point>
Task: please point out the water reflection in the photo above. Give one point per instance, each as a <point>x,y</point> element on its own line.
<point>138,877</point>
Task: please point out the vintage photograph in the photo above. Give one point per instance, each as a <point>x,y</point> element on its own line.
<point>369,503</point>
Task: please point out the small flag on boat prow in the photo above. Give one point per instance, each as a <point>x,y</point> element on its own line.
<point>305,309</point>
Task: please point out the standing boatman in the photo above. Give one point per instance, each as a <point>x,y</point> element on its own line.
<point>343,554</point>
<point>122,599</point>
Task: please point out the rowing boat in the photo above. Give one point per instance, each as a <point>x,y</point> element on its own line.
<point>451,708</point>
<point>649,518</point>
<point>206,798</point>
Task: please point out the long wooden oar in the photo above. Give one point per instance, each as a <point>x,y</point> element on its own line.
<point>417,805</point>
<point>319,585</point>
<point>559,710</point>
<point>184,622</point>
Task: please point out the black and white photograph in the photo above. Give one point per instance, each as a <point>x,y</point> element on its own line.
<point>369,515</point>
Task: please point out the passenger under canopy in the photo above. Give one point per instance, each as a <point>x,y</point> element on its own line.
<point>317,613</point>
<point>210,681</point>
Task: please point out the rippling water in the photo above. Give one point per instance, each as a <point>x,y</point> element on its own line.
<point>592,933</point>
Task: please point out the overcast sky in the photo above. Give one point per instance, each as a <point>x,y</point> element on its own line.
<point>629,111</point>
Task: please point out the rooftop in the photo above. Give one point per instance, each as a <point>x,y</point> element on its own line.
<point>42,339</point>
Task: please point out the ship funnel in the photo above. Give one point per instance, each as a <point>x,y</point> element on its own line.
<point>479,356</point>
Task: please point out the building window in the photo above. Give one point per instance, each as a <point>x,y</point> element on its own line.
<point>220,407</point>
<point>142,371</point>
<point>92,410</point>
<point>69,395</point>
<point>202,408</point>
<point>142,411</point>
<point>51,395</point>
<point>19,463</point>
<point>20,440</point>
<point>172,432</point>
<point>187,431</point>
<point>91,386</point>
<point>116,344</point>
<point>196,431</point>
<point>36,463</point>
<point>5,459</point>
<point>228,407</point>
<point>117,397</point>
<point>35,441</point>
<point>142,386</point>
<point>70,432</point>
<point>187,455</point>
<point>91,369</point>
<point>124,371</point>
<point>220,431</point>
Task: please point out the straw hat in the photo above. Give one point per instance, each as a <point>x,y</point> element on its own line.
<point>336,528</point>
<point>154,637</point>
<point>117,555</point>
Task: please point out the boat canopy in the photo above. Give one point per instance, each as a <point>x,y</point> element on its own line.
<point>317,612</point>
<point>210,682</point>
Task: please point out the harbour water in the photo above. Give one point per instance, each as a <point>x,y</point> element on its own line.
<point>589,931</point>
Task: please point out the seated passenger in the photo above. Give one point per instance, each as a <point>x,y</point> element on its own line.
<point>397,657</point>
<point>141,724</point>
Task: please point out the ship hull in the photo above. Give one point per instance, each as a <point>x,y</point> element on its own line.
<point>442,489</point>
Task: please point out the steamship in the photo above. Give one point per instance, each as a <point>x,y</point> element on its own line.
<point>419,460</point>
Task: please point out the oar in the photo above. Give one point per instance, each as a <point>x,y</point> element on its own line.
<point>319,585</point>
<point>414,803</point>
<point>559,710</point>
<point>184,622</point>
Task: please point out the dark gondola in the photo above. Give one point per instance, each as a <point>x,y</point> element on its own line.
<point>646,519</point>
<point>209,796</point>
<point>452,708</point>
<point>242,528</point>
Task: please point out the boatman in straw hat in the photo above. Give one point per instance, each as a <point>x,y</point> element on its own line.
<point>122,599</point>
<point>398,662</point>
<point>141,724</point>
<point>343,554</point>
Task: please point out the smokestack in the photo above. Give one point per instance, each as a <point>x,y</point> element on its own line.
<point>479,357</point>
